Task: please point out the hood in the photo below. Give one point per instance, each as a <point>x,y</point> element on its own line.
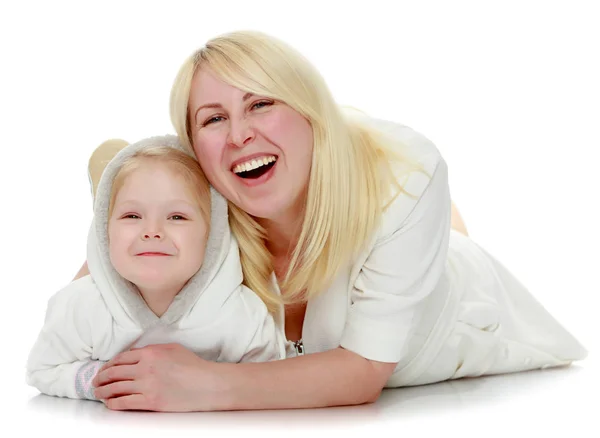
<point>121,296</point>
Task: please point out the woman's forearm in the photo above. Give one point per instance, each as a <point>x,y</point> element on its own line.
<point>333,378</point>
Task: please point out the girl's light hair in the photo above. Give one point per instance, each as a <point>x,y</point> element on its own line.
<point>353,174</point>
<point>180,162</point>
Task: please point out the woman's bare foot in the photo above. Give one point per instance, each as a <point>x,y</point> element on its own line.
<point>457,222</point>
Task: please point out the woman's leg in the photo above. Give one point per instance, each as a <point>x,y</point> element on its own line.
<point>457,222</point>
<point>497,327</point>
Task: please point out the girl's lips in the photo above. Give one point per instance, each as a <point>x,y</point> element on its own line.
<point>153,254</point>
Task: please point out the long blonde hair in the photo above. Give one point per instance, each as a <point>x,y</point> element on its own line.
<point>352,175</point>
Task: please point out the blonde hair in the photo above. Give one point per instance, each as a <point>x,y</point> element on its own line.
<point>183,164</point>
<point>351,177</point>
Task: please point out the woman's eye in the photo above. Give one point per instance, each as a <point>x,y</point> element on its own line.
<point>261,104</point>
<point>213,120</point>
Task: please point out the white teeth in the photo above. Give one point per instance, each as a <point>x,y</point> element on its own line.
<point>254,164</point>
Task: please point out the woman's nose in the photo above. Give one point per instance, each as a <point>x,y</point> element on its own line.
<point>240,133</point>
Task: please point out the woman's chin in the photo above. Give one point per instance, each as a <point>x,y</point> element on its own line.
<point>262,210</point>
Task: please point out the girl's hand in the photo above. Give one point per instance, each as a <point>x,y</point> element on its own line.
<point>162,377</point>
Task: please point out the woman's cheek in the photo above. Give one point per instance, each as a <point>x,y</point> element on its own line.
<point>209,154</point>
<point>205,150</point>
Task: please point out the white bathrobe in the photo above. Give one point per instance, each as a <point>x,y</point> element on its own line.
<point>100,315</point>
<point>430,298</point>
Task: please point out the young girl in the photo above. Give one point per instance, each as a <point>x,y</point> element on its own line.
<point>163,268</point>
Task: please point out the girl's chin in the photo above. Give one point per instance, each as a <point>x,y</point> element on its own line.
<point>155,283</point>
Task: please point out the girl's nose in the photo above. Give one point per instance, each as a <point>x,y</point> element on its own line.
<point>148,236</point>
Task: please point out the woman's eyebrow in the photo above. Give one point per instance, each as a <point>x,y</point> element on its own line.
<point>206,105</point>
<point>218,105</point>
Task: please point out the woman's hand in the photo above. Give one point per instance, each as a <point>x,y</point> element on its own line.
<point>164,377</point>
<point>168,377</point>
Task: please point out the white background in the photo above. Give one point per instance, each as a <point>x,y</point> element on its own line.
<point>508,91</point>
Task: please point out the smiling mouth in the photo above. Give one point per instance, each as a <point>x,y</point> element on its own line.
<point>255,169</point>
<point>153,254</point>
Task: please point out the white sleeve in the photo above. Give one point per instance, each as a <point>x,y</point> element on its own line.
<point>402,269</point>
<point>255,334</point>
<point>60,362</point>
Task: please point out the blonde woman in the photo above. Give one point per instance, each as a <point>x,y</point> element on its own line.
<point>348,234</point>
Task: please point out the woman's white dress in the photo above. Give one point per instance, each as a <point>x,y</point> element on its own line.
<point>431,299</point>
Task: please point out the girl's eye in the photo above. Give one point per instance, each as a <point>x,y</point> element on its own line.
<point>261,104</point>
<point>177,217</point>
<point>131,216</point>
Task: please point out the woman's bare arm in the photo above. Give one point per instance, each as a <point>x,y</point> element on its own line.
<point>336,377</point>
<point>83,271</point>
<point>168,377</point>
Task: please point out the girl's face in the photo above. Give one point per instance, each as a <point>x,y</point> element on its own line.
<point>255,151</point>
<point>157,235</point>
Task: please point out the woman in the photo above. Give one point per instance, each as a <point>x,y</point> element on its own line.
<point>348,234</point>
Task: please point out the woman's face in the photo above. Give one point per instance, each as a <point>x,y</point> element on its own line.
<point>255,151</point>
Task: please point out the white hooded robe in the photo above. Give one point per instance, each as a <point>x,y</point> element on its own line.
<point>96,317</point>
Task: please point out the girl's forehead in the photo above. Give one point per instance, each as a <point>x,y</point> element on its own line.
<point>164,178</point>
